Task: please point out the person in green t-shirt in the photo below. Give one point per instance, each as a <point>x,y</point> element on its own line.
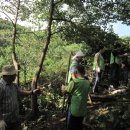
<point>115,65</point>
<point>98,67</point>
<point>76,60</point>
<point>79,89</point>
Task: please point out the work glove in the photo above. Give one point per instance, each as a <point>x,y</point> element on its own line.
<point>2,125</point>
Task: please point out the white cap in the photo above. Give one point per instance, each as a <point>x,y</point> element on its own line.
<point>78,54</point>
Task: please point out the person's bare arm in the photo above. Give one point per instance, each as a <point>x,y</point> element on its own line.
<point>31,92</point>
<point>25,93</point>
<point>97,63</point>
<point>67,89</point>
<point>97,60</point>
<point>123,55</point>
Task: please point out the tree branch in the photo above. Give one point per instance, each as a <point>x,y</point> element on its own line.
<point>8,17</point>
<point>62,19</point>
<point>28,32</point>
<point>15,5</point>
<point>57,31</point>
<point>58,2</point>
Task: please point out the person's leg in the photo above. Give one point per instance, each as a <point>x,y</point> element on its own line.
<point>97,81</point>
<point>113,75</point>
<point>75,123</point>
<point>80,122</point>
<point>122,75</point>
<point>126,73</point>
<point>68,118</point>
<point>71,123</point>
<point>68,113</point>
<point>117,76</point>
<point>95,87</point>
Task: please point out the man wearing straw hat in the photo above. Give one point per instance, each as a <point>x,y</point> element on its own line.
<point>77,59</point>
<point>9,107</point>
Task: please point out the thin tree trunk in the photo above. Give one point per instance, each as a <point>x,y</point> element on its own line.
<point>25,74</point>
<point>14,57</point>
<point>39,68</point>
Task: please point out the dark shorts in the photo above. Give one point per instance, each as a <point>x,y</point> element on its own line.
<point>75,123</point>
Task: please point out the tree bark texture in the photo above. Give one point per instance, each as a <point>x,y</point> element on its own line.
<point>39,68</point>
<point>14,56</point>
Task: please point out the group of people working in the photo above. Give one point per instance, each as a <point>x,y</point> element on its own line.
<point>78,89</point>
<point>118,68</point>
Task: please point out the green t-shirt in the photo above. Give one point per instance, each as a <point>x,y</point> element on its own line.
<point>79,89</point>
<point>115,59</point>
<point>100,61</point>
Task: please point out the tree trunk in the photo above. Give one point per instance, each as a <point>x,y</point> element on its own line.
<point>39,68</point>
<point>14,57</point>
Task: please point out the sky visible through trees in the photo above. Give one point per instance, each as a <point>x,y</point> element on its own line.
<point>119,28</point>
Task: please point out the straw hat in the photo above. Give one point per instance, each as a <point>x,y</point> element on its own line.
<point>78,54</point>
<point>8,70</point>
